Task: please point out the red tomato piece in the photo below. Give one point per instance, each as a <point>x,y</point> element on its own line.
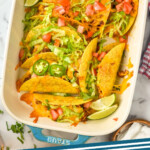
<point>95,55</point>
<point>60,9</point>
<point>94,72</point>
<point>89,10</point>
<point>128,1</point>
<point>54,114</point>
<point>61,22</point>
<point>47,37</point>
<point>99,6</point>
<point>122,40</point>
<point>101,56</point>
<point>90,34</point>
<point>57,43</point>
<point>127,8</point>
<point>87,105</point>
<point>80,29</point>
<point>76,13</point>
<point>64,3</point>
<point>59,111</point>
<point>119,7</point>
<point>119,1</point>
<point>21,53</point>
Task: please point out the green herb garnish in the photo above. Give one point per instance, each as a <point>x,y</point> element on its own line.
<point>1,112</point>
<point>35,146</point>
<point>18,129</point>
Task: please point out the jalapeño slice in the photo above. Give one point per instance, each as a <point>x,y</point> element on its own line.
<point>40,67</point>
<point>57,70</point>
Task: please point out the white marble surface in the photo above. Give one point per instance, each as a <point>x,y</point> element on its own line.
<point>140,107</point>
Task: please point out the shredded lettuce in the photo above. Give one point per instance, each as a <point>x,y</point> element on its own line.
<point>29,24</point>
<point>49,11</point>
<point>101,43</point>
<point>120,20</point>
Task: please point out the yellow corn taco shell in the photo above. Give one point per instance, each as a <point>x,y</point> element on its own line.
<point>71,32</point>
<point>110,46</point>
<point>24,77</point>
<point>68,31</point>
<point>107,70</point>
<point>86,58</point>
<point>54,100</point>
<point>133,15</point>
<point>104,14</point>
<point>48,84</point>
<point>33,32</point>
<point>49,56</point>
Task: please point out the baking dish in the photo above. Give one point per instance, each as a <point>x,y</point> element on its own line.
<point>20,111</point>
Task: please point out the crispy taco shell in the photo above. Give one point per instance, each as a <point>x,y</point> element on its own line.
<point>107,70</point>
<point>133,14</point>
<point>53,100</point>
<point>68,31</point>
<point>86,58</point>
<point>48,84</point>
<point>104,15</point>
<point>49,56</point>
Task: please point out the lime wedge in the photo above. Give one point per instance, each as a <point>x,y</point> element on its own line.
<point>30,3</point>
<point>104,103</point>
<point>103,113</point>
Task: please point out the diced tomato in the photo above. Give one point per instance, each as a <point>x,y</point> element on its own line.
<point>57,43</point>
<point>60,9</point>
<point>80,29</point>
<point>54,114</point>
<point>21,53</point>
<point>122,40</point>
<point>61,22</point>
<point>87,105</point>
<point>119,1</point>
<point>127,8</point>
<point>64,3</point>
<point>119,7</point>
<point>94,72</point>
<point>59,111</point>
<point>128,1</point>
<point>101,56</point>
<point>76,13</point>
<point>33,75</point>
<point>89,10</point>
<point>67,9</point>
<point>99,6</point>
<point>89,34</point>
<point>95,55</point>
<point>47,37</point>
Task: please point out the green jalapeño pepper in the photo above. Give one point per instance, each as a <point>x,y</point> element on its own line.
<point>57,70</point>
<point>40,67</point>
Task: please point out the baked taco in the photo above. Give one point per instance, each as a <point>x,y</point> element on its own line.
<point>48,84</point>
<point>122,17</point>
<point>107,70</point>
<point>84,66</point>
<point>57,108</point>
<point>58,41</point>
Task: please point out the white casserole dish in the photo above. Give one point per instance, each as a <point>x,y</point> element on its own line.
<point>21,111</point>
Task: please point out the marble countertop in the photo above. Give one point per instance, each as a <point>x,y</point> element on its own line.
<point>140,107</point>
